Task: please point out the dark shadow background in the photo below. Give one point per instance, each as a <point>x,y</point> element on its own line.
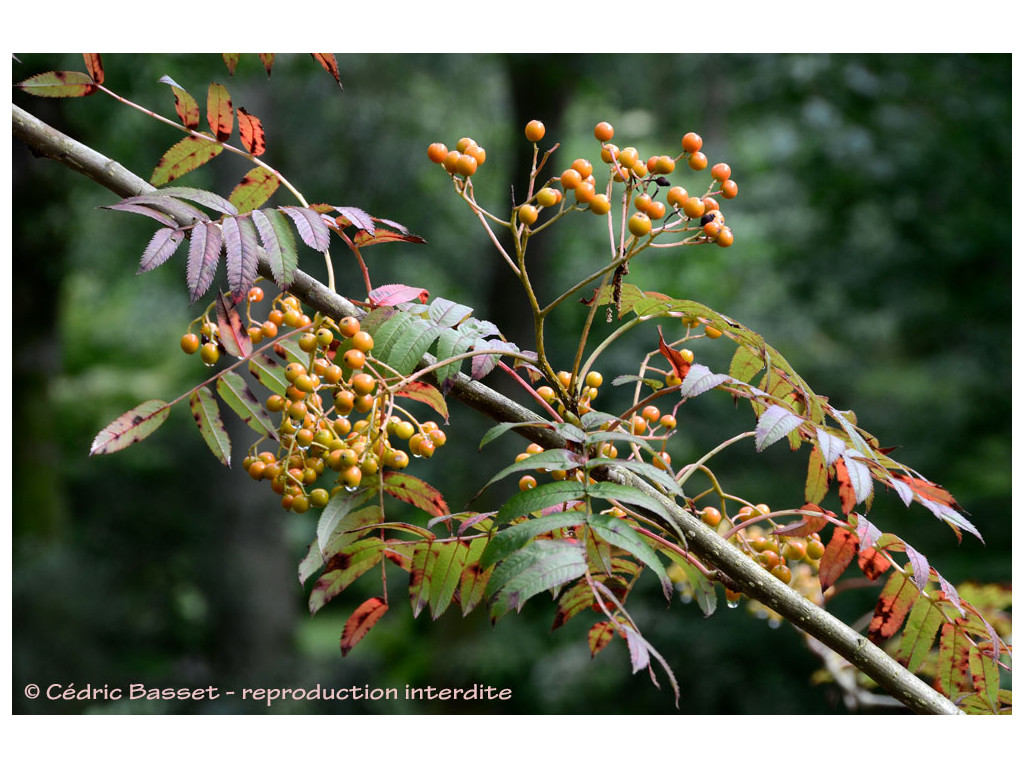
<point>873,250</point>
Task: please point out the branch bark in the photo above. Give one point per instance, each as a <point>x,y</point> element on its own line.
<point>910,690</point>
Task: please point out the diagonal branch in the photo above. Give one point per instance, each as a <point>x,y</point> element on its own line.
<point>46,141</point>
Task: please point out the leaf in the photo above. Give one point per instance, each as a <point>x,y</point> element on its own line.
<point>255,188</point>
<point>203,255</point>
<point>484,363</point>
<point>816,485</point>
<point>343,569</point>
<point>360,622</point>
<point>352,216</point>
<point>268,61</point>
<point>450,558</point>
<point>704,591</point>
<point>310,226</point>
<point>329,63</point>
<point>953,662</point>
<point>922,571</point>
<point>628,495</point>
<point>984,674</point>
<point>414,491</point>
<point>450,343</point>
<point>639,655</point>
<point>242,255</point>
<point>269,373</point>
<point>187,155</point>
<point>699,380</point>
<point>131,427</point>
<point>233,335</point>
<point>161,247</point>
<point>847,494</point>
<point>831,446</point>
<point>680,366</point>
<point>424,393</point>
<point>181,211</point>
<point>553,458</point>
<point>211,427</point>
<point>420,576</point>
<point>807,524</point>
<point>858,473</point>
<point>545,496</point>
<point>512,538</point>
<point>621,534</point>
<point>250,129</point>
<point>382,235</point>
<point>201,196</point>
<point>145,210</point>
<point>59,85</point>
<point>774,424</point>
<point>746,363</point>
<point>279,244</point>
<point>898,595</point>
<point>230,61</point>
<point>541,565</point>
<point>218,112</point>
<point>392,295</point>
<point>94,64</point>
<point>184,104</point>
<point>233,390</point>
<point>599,635</point>
<point>839,553</point>
<point>919,634</point>
<point>338,508</point>
<point>474,577</point>
<point>403,351</point>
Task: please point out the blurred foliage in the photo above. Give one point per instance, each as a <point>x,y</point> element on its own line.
<point>873,250</point>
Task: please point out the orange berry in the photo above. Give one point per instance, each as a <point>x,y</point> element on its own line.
<point>255,294</point>
<point>698,161</point>
<point>464,143</point>
<point>600,204</point>
<point>609,153</point>
<point>730,189</point>
<point>664,165</point>
<point>466,165</point>
<point>189,343</point>
<point>725,237</point>
<point>349,326</point>
<point>437,152</point>
<point>527,214</point>
<point>692,142</point>
<point>677,196</point>
<point>639,224</point>
<point>534,130</point>
<point>583,167</point>
<point>642,202</point>
<point>629,157</point>
<point>451,160</point>
<point>656,210</point>
<point>354,358</point>
<point>571,178</point>
<point>603,131</point>
<point>548,197</point>
<point>584,192</point>
<point>693,207</point>
<point>478,153</point>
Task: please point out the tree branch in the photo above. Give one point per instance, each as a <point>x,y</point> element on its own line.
<point>755,582</point>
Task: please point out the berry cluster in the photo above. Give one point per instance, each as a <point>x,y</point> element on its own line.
<point>336,412</point>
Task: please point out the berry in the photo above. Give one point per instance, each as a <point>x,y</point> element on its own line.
<point>692,142</point>
<point>349,327</point>
<point>677,196</point>
<point>725,237</point>
<point>549,197</point>
<point>698,161</point>
<point>815,549</point>
<point>466,165</point>
<point>362,341</point>
<point>255,294</point>
<point>664,165</point>
<point>534,130</point>
<point>638,425</point>
<point>571,178</point>
<point>526,482</point>
<point>363,384</point>
<point>794,550</point>
<point>711,516</point>
<point>639,224</point>
<point>712,333</point>
<point>437,152</point>
<point>477,152</point>
<point>190,343</point>
<point>668,421</point>
<point>319,497</point>
<point>604,131</point>
<point>730,189</point>
<point>450,160</point>
<point>324,337</point>
<point>643,202</point>
<point>782,573</point>
<point>351,477</point>
<point>354,359</point>
<point>583,167</point>
<point>600,204</point>
<point>527,214</point>
<point>629,157</point>
<point>464,143</point>
<point>209,353</point>
<point>594,379</point>
<point>584,192</point>
<point>710,204</point>
<point>308,342</point>
<point>693,207</point>
<point>656,210</point>
<point>609,153</point>
<point>720,171</point>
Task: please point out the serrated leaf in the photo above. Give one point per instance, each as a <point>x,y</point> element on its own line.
<point>922,571</point>
<point>343,569</point>
<point>383,235</point>
<point>746,364</point>
<point>233,390</point>
<point>512,538</point>
<point>474,577</point>
<point>94,64</point>
<point>984,674</point>
<point>639,655</point>
<point>553,458</point>
<point>187,155</point>
<point>545,496</point>
<point>203,256</point>
<point>355,525</point>
<point>230,61</point>
<point>233,335</point>
<point>404,351</point>
<point>831,446</point>
<point>484,363</point>
<point>357,217</point>
<point>541,565</point>
<point>448,565</point>
<point>394,294</point>
<point>130,427</point>
<point>310,226</point>
<point>59,85</point>
<point>329,63</point>
<point>621,534</point>
<point>269,373</point>
<point>360,622</point>
<point>919,634</point>
<point>774,424</point>
<point>420,576</point>
<point>184,104</point>
<point>219,113</point>
<point>241,255</point>
<point>255,188</point>
<point>181,211</point>
<point>450,343</point>
<point>446,313</point>
<point>414,491</point>
<point>898,595</point>
<point>424,393</point>
<point>279,245</point>
<point>859,475</point>
<point>337,509</point>
<point>816,485</point>
<point>161,247</point>
<point>201,196</point>
<point>628,495</point>
<point>250,129</point>
<point>145,210</point>
<point>571,602</point>
<point>659,476</point>
<point>211,427</point>
<point>699,380</point>
<point>599,635</point>
<point>954,661</point>
<point>839,553</point>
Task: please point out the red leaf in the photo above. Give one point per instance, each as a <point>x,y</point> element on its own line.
<point>599,636</point>
<point>219,113</point>
<point>187,155</point>
<point>268,61</point>
<point>847,494</point>
<point>382,235</point>
<point>94,64</point>
<point>679,366</point>
<point>807,524</point>
<point>184,104</point>
<point>897,597</point>
<point>59,85</point>
<point>251,130</point>
<point>230,61</point>
<point>414,491</point>
<point>930,491</point>
<point>328,62</point>
<point>425,393</point>
<point>233,335</point>
<point>360,622</point>
<point>872,562</point>
<point>838,555</point>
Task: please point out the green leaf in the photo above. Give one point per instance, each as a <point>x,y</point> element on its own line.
<point>816,485</point>
<point>621,534</point>
<point>268,372</point>
<point>628,495</point>
<point>59,85</point>
<point>450,343</point>
<point>659,476</point>
<point>447,314</point>
<point>352,527</point>
<point>703,590</point>
<point>421,575</point>
<point>448,565</point>
<point>515,536</point>
<point>279,244</point>
<point>541,565</point>
<point>404,350</point>
<point>775,423</point>
<point>211,427</point>
<point>919,634</point>
<point>187,155</point>
<point>130,427</point>
<point>985,674</point>
<point>255,189</point>
<point>339,506</point>
<point>553,458</point>
<point>343,569</point>
<point>474,577</point>
<point>544,496</point>
<point>746,363</point>
<point>233,390</point>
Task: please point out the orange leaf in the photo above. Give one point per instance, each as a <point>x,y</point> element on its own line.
<point>328,62</point>
<point>381,235</point>
<point>872,562</point>
<point>95,66</point>
<point>251,130</point>
<point>679,365</point>
<point>930,491</point>
<point>268,61</point>
<point>838,555</point>
<point>258,186</point>
<point>847,494</point>
<point>219,113</point>
<point>230,61</point>
<point>807,524</point>
<point>893,604</point>
<point>360,622</point>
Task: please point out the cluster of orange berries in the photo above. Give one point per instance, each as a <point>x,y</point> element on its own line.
<point>462,161</point>
<point>335,414</point>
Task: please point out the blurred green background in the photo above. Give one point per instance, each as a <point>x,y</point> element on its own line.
<point>873,244</point>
